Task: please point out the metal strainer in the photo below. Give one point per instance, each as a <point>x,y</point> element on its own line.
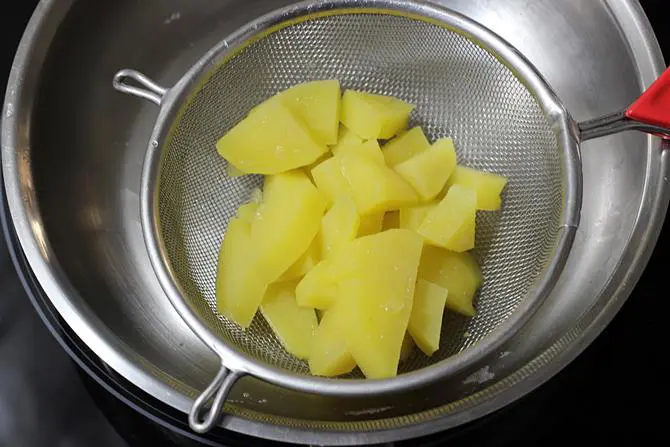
<point>468,84</point>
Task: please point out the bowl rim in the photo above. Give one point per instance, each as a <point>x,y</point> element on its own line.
<point>27,225</point>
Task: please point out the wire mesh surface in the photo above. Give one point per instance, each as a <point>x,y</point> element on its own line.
<point>461,91</point>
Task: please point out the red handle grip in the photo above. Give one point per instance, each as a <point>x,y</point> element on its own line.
<point>653,107</point>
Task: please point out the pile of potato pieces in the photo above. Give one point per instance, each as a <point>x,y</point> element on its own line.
<point>352,251</point>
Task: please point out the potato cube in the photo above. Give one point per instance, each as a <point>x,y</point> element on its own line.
<point>488,186</point>
<point>330,356</point>
<point>317,104</point>
<point>294,326</point>
<point>305,263</point>
<point>456,272</point>
<point>319,288</point>
<point>270,141</point>
<point>239,288</point>
<point>405,146</point>
<point>247,212</point>
<point>369,149</point>
<point>330,182</point>
<point>346,138</point>
<point>374,117</point>
<point>451,224</point>
<point>377,298</point>
<point>233,172</point>
<point>339,226</point>
<point>412,217</point>
<point>286,222</point>
<point>429,171</point>
<point>374,188</point>
<point>371,224</point>
<point>425,323</point>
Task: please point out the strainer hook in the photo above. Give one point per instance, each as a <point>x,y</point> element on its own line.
<point>202,419</point>
<point>148,88</point>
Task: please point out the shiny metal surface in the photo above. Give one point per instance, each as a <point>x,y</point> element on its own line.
<point>75,149</point>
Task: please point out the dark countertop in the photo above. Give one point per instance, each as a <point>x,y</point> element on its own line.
<point>609,393</point>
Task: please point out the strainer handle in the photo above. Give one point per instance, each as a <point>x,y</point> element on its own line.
<point>202,418</point>
<point>148,89</point>
<point>650,114</point>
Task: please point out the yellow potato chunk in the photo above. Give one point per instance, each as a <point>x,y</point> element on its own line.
<point>269,141</point>
<point>371,224</point>
<point>451,224</point>
<point>247,212</point>
<point>346,138</point>
<point>391,220</point>
<point>339,226</point>
<point>256,196</point>
<point>374,117</point>
<point>374,188</point>
<point>330,356</point>
<point>233,172</point>
<point>286,222</point>
<point>405,146</point>
<point>305,263</point>
<point>294,326</point>
<point>319,288</point>
<point>425,323</point>
<point>429,171</point>
<point>369,149</point>
<point>487,185</point>
<point>239,288</point>
<point>456,272</point>
<point>412,217</point>
<point>330,182</point>
<point>407,348</point>
<point>317,104</point>
<point>377,298</point>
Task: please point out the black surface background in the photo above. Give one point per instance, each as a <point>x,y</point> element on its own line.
<point>616,390</point>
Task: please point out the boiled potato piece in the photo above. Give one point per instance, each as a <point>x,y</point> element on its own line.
<point>451,224</point>
<point>488,186</point>
<point>377,298</point>
<point>369,149</point>
<point>374,117</point>
<point>317,104</point>
<point>429,171</point>
<point>330,355</point>
<point>405,146</point>
<point>286,222</point>
<point>346,138</point>
<point>371,224</point>
<point>407,347</point>
<point>412,217</point>
<point>339,226</point>
<point>319,289</point>
<point>305,263</point>
<point>233,172</point>
<point>294,326</point>
<point>270,141</point>
<point>425,323</point>
<point>330,182</point>
<point>247,212</point>
<point>391,220</point>
<point>239,287</point>
<point>374,188</point>
<point>456,272</point>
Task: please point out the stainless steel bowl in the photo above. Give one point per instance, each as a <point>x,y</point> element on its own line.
<point>72,159</point>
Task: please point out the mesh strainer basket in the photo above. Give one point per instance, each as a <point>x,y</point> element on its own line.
<point>467,83</point>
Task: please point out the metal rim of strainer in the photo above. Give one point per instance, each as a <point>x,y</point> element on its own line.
<point>235,364</point>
